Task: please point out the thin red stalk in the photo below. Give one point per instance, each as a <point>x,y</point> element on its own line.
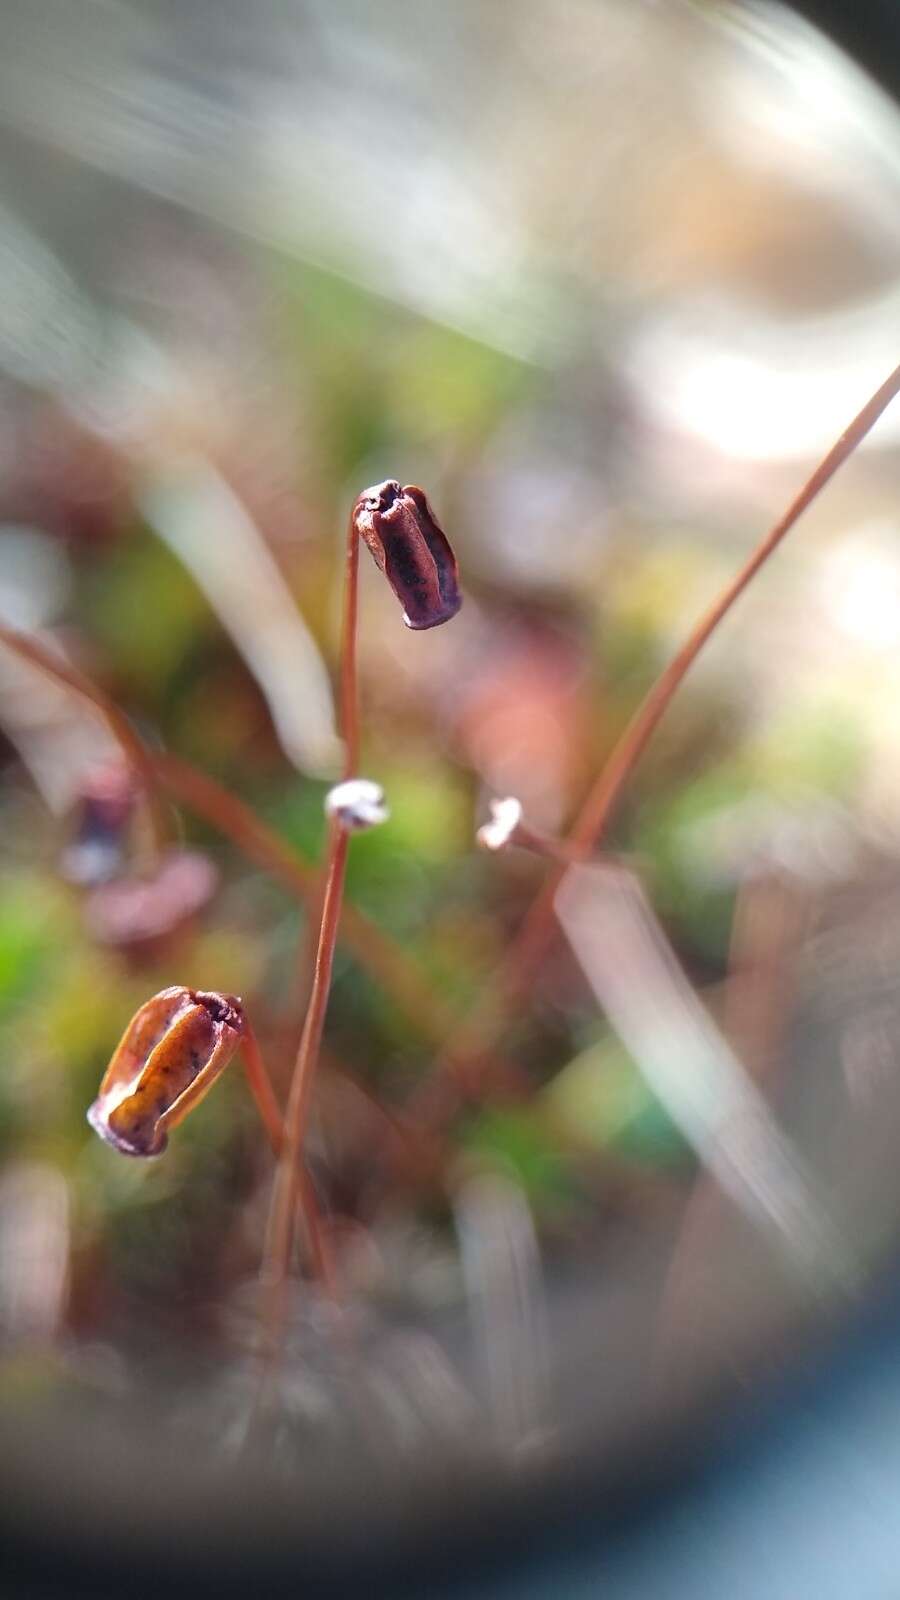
<point>280,1231</point>
<point>260,1085</point>
<point>276,1263</point>
<point>516,971</point>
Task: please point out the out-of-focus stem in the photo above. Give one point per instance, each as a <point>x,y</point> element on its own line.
<point>132,746</point>
<point>509,983</point>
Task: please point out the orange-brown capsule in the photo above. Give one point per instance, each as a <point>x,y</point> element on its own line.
<point>412,550</point>
<point>170,1054</point>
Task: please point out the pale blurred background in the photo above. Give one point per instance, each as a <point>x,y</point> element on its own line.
<point>607,279</point>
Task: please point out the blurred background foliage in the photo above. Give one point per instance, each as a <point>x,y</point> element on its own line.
<point>606,279</point>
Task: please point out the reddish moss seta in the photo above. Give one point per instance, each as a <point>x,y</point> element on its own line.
<point>412,550</point>
<point>170,1055</point>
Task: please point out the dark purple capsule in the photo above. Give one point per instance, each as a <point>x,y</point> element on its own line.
<point>403,534</point>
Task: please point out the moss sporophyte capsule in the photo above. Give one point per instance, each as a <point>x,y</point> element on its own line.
<point>169,1056</point>
<point>412,550</point>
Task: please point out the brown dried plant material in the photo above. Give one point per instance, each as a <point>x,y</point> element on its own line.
<point>170,1055</point>
<point>412,551</point>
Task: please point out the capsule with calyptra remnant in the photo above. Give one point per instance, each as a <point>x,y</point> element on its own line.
<point>169,1056</point>
<point>412,550</point>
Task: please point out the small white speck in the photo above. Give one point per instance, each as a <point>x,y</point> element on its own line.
<point>356,804</point>
<point>506,816</point>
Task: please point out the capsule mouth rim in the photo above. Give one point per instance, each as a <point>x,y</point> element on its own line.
<point>223,1010</point>
<point>379,498</point>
